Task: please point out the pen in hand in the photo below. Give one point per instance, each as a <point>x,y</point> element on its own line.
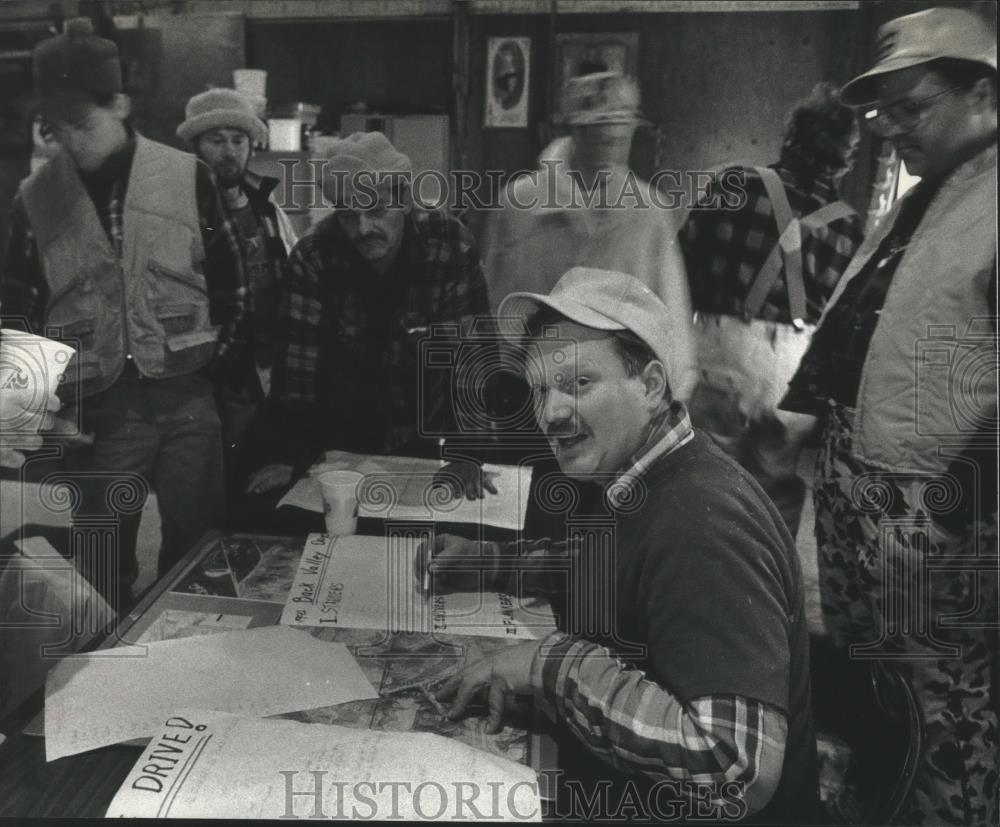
<point>425,588</point>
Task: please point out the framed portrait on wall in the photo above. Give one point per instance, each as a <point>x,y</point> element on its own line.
<point>508,74</point>
<point>583,53</point>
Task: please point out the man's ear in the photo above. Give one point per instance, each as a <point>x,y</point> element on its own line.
<point>654,380</point>
<point>984,95</point>
<point>121,105</point>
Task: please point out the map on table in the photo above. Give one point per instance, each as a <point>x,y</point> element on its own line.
<point>252,568</point>
<point>400,661</point>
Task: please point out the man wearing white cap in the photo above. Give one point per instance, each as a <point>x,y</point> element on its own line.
<point>903,371</point>
<point>585,207</point>
<point>222,127</point>
<point>361,293</point>
<point>699,683</point>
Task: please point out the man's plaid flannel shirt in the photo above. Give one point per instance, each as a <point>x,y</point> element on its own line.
<point>24,291</point>
<point>730,233</point>
<point>349,371</point>
<point>631,722</point>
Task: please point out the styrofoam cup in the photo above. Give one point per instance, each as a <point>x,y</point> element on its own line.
<point>252,82</point>
<point>284,134</point>
<point>340,500</point>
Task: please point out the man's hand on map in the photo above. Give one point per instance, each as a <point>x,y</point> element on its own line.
<point>269,477</point>
<point>456,564</point>
<point>501,678</point>
<point>466,479</point>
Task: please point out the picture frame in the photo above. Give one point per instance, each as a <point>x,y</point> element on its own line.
<point>508,82</point>
<point>581,53</point>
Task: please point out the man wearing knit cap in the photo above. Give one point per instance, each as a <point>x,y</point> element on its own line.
<point>903,372</point>
<point>360,294</point>
<point>683,654</point>
<point>222,127</point>
<point>123,244</point>
<point>585,207</point>
<point>760,271</point>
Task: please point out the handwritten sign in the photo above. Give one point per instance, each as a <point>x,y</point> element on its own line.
<point>369,583</point>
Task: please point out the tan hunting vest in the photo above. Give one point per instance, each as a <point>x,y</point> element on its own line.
<point>152,302</point>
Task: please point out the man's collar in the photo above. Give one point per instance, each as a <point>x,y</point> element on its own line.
<point>667,431</point>
<point>258,186</point>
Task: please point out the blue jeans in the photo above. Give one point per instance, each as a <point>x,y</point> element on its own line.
<point>159,434</point>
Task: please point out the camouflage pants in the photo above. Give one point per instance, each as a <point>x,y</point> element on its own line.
<point>897,584</point>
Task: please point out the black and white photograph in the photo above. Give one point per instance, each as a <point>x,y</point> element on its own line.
<point>569,411</point>
<point>509,75</point>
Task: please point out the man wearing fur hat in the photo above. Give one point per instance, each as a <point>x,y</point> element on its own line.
<point>222,128</point>
<point>361,293</point>
<point>123,244</point>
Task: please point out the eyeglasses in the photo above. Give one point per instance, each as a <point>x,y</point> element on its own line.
<point>904,114</point>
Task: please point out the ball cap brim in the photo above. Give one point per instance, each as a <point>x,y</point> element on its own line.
<point>598,299</point>
<point>920,38</point>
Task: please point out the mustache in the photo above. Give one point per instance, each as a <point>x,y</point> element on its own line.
<point>560,429</point>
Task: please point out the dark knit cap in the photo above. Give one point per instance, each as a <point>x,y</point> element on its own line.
<point>76,61</point>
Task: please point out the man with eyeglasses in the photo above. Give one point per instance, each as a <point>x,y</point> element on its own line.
<point>122,243</point>
<point>903,370</point>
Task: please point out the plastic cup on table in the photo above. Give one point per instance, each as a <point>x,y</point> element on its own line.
<point>340,500</point>
<point>250,82</point>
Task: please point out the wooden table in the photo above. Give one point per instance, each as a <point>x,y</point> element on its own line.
<point>243,579</point>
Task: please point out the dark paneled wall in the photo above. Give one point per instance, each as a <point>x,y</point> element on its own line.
<point>715,87</point>
<point>395,67</point>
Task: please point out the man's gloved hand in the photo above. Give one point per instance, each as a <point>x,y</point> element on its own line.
<point>269,477</point>
<point>465,478</point>
<point>457,564</point>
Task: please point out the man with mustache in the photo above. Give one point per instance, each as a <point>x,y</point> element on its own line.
<point>222,128</point>
<point>361,293</point>
<point>692,681</point>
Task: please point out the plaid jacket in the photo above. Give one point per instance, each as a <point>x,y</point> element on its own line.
<point>350,371</point>
<point>277,238</point>
<point>24,292</point>
<point>730,232</point>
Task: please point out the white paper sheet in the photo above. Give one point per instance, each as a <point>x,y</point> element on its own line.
<point>118,694</point>
<point>363,582</point>
<point>206,765</point>
<point>400,488</point>
<point>173,624</point>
